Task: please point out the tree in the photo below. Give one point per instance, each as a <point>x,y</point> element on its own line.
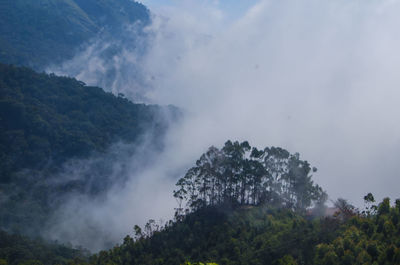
<point>346,210</point>
<point>384,207</point>
<point>370,208</point>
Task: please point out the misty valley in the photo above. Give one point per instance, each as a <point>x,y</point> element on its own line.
<point>199,132</point>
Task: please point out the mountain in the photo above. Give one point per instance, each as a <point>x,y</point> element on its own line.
<point>42,32</point>
<point>46,121</point>
<point>46,117</point>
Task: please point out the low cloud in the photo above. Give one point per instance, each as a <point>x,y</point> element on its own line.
<point>112,62</point>
<point>316,77</point>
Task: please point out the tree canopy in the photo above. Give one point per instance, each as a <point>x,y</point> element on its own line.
<point>265,235</point>
<point>239,174</point>
<point>49,118</point>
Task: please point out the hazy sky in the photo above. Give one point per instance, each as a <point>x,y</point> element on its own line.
<point>316,77</point>
<point>230,9</point>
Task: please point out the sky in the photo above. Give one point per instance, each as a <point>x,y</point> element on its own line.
<point>316,77</point>
<point>230,9</point>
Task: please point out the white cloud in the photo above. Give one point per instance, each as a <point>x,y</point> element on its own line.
<point>317,77</point>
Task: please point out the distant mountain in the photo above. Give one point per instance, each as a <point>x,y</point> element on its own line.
<point>42,32</point>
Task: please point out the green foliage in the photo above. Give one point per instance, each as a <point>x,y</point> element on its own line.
<point>370,208</point>
<point>265,235</point>
<point>42,32</point>
<point>45,117</point>
<point>365,239</point>
<point>19,250</point>
<point>199,263</point>
<point>287,260</point>
<point>247,235</point>
<point>240,175</point>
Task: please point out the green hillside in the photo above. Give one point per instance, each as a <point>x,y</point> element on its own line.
<point>244,235</point>
<point>42,32</point>
<point>45,117</point>
<point>263,235</point>
<point>231,230</point>
<point>46,120</point>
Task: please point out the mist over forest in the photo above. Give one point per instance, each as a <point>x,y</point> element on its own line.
<point>106,109</point>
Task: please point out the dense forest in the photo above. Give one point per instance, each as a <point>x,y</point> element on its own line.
<point>46,121</point>
<point>45,117</point>
<point>264,235</point>
<point>42,32</point>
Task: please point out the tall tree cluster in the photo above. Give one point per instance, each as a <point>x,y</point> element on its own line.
<point>239,174</point>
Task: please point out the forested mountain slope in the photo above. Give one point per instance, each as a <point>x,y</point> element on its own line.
<point>46,120</point>
<point>42,32</point>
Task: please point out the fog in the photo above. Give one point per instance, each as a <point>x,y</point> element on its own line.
<point>112,62</point>
<point>315,77</point>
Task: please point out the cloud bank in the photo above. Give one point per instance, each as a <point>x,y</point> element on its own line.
<point>317,77</point>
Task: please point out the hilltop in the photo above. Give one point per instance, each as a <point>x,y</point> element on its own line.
<point>230,229</point>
